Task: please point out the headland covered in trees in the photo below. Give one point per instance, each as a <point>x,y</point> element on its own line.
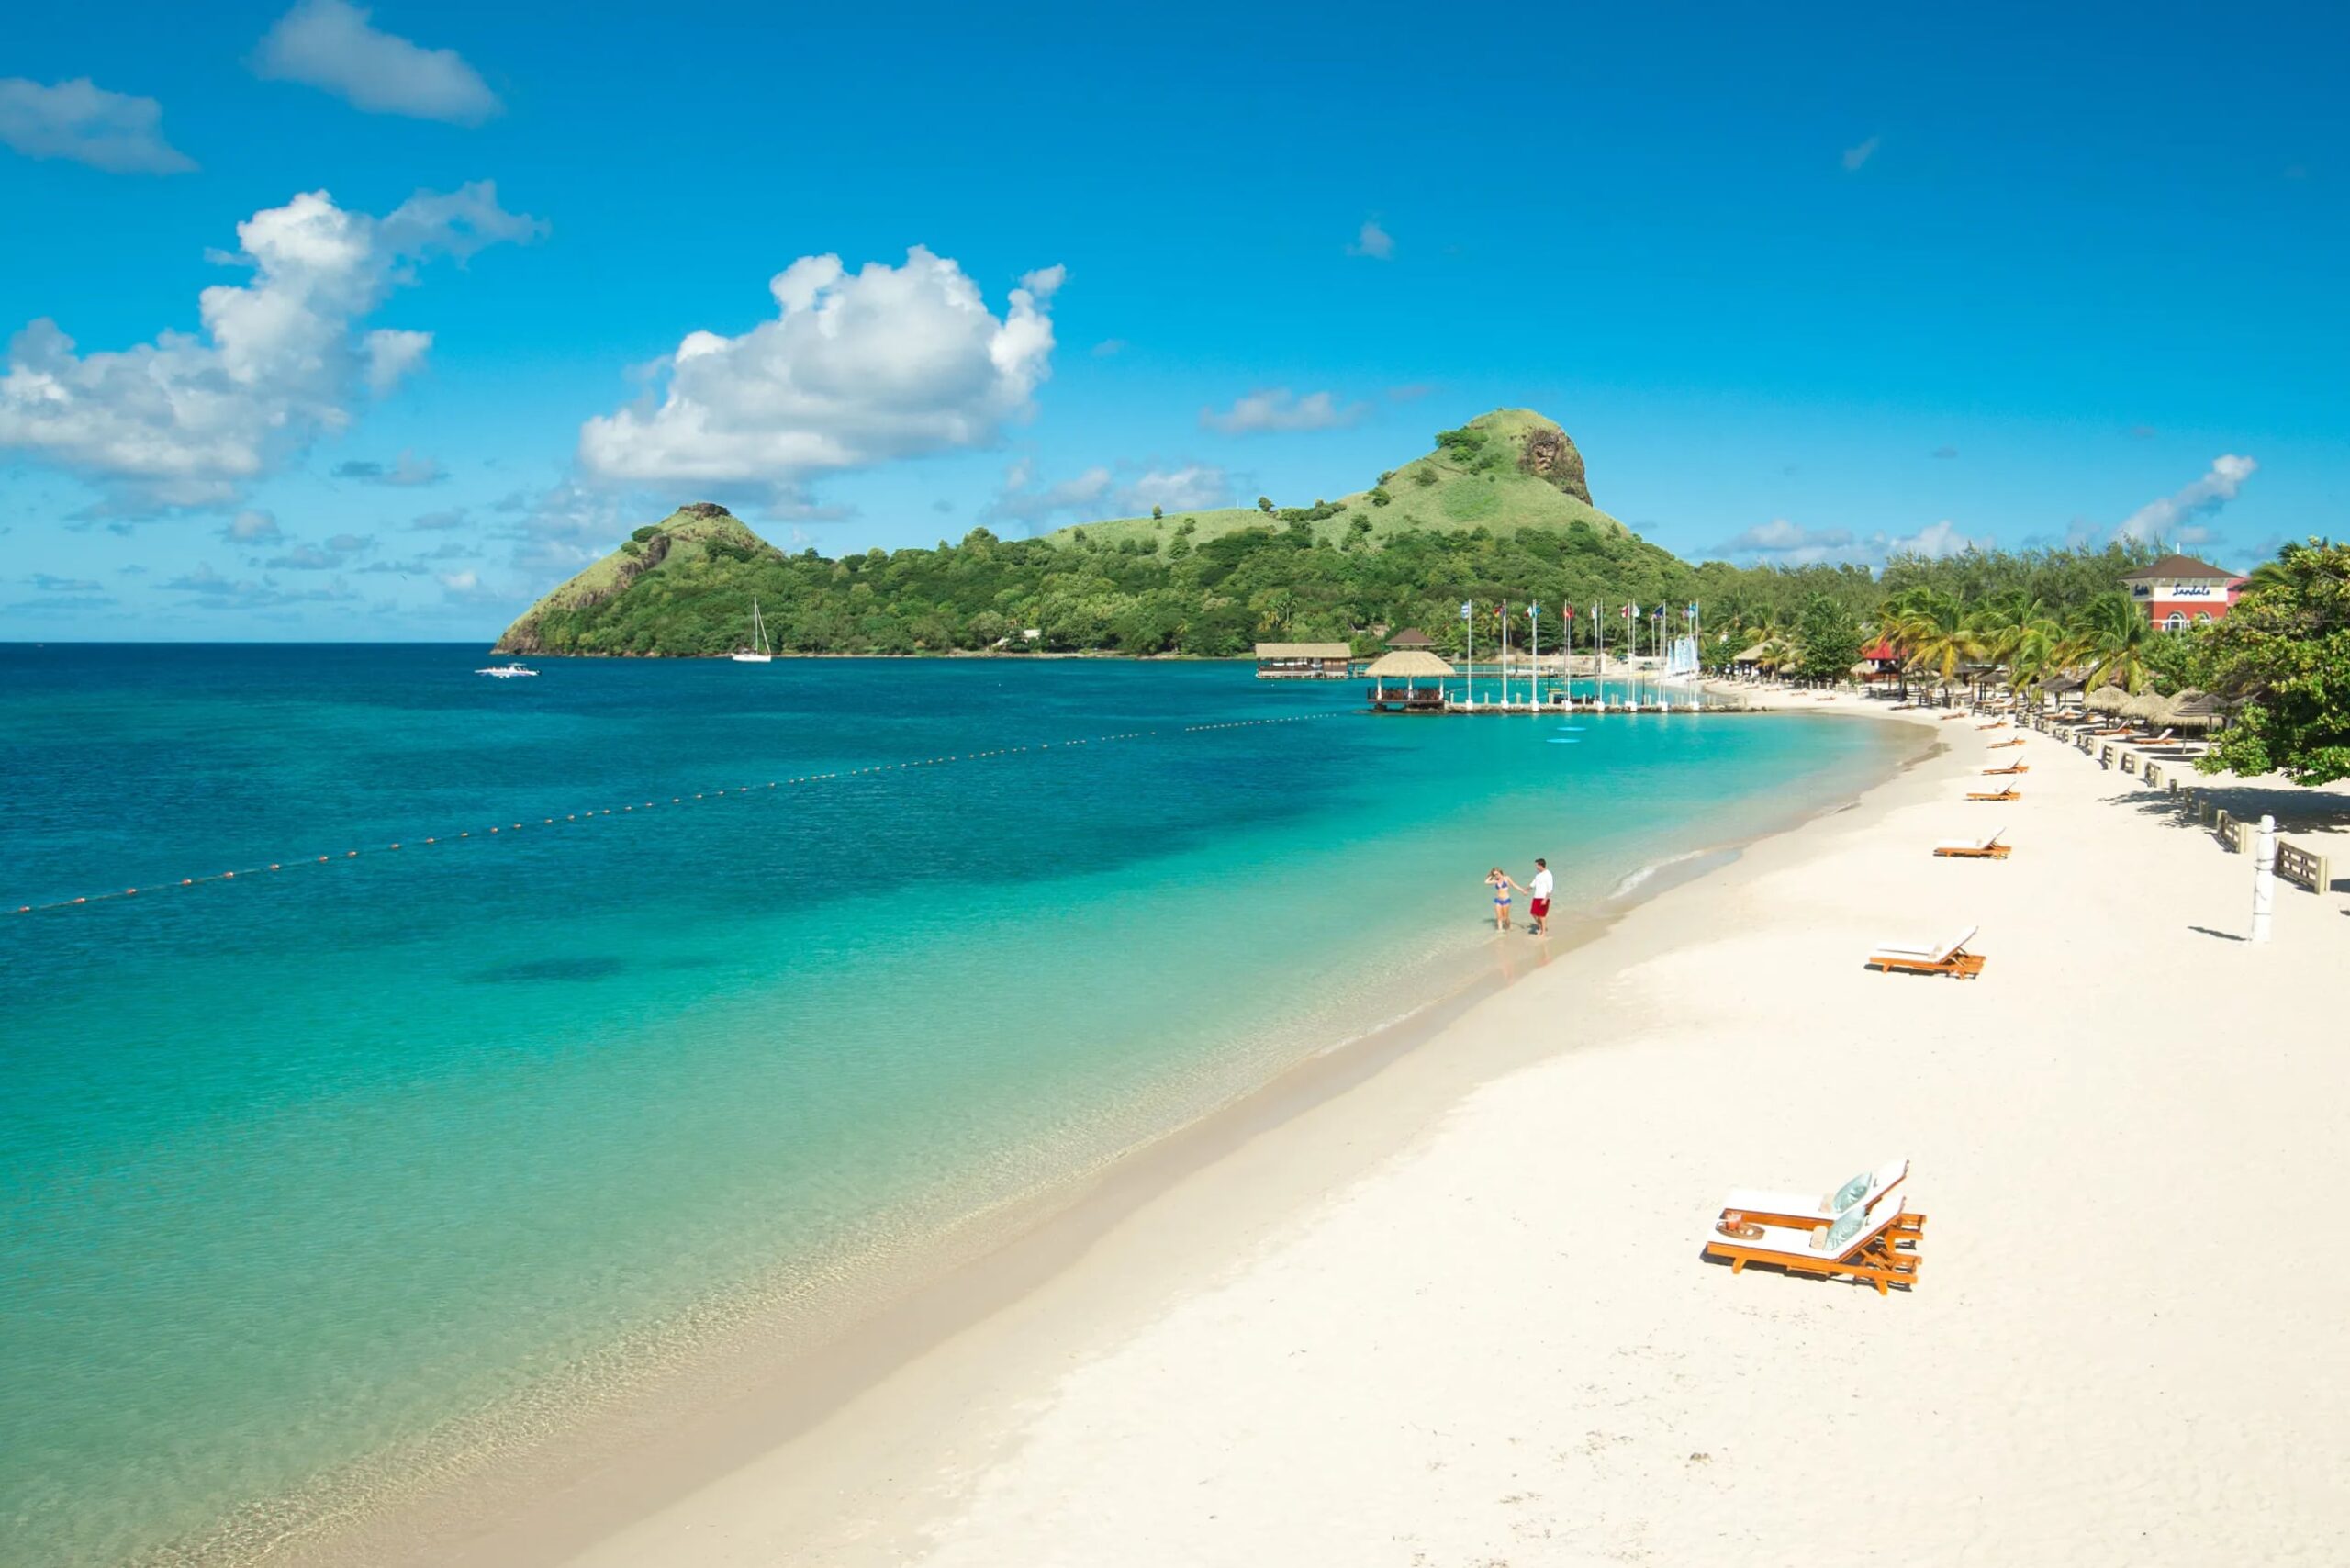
<point>1500,509</point>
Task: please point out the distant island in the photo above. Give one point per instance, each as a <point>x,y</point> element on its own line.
<point>1499,507</point>
<point>1499,510</point>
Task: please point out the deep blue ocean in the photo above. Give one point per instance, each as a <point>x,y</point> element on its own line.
<point>301,1167</point>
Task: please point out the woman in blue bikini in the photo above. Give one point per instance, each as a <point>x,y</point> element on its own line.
<point>1498,880</point>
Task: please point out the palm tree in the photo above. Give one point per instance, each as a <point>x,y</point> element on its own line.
<point>2022,635</point>
<point>2112,636</point>
<point>1935,635</point>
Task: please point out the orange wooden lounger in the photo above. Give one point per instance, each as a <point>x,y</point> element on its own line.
<point>1953,960</point>
<point>2000,725</point>
<point>1996,746</point>
<point>1974,848</point>
<point>1948,717</point>
<point>1996,772</point>
<point>1995,795</point>
<point>1881,1250</point>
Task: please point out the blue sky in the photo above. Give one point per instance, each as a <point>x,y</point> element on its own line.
<point>1801,285</point>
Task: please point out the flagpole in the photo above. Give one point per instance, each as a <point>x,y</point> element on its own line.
<point>1534,631</point>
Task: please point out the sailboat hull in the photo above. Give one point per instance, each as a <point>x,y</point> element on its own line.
<point>752,658</point>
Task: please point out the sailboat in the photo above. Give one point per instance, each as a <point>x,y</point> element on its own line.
<point>758,653</point>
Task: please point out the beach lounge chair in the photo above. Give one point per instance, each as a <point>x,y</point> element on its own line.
<point>2000,725</point>
<point>1974,848</point>
<point>1948,717</point>
<point>1996,746</point>
<point>2013,767</point>
<point>1995,794</point>
<point>1952,959</point>
<point>1866,1247</point>
<point>2156,740</point>
<point>1803,1210</point>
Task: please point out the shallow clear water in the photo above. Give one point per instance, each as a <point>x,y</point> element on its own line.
<point>298,1164</point>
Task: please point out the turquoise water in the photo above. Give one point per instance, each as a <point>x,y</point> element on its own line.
<point>301,1165</point>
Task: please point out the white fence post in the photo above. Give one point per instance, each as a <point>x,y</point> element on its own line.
<point>2264,877</point>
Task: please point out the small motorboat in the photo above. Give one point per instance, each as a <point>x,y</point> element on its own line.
<point>506,671</point>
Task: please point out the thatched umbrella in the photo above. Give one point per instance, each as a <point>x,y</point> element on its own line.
<point>2149,705</point>
<point>2108,700</point>
<point>2196,709</point>
<point>1408,666</point>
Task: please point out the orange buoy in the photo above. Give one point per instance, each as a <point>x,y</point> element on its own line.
<point>187,882</point>
<point>225,875</point>
<point>81,900</point>
<point>322,859</point>
<point>273,865</point>
<point>128,891</point>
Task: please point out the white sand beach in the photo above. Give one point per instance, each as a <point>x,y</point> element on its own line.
<point>1456,1313</point>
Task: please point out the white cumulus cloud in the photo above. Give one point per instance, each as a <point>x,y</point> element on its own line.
<point>1100,492</point>
<point>188,419</point>
<point>82,121</point>
<point>856,369</point>
<point>1191,487</point>
<point>1935,539</point>
<point>1278,409</point>
<point>2167,518</point>
<point>330,44</point>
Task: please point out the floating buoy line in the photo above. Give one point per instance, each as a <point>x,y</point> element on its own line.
<point>297,863</point>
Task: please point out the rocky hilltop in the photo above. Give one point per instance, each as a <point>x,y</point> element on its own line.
<point>691,537</point>
<point>1502,471</point>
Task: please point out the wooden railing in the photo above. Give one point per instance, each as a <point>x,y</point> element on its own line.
<point>2298,865</point>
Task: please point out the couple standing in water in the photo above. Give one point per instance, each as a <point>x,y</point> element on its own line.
<point>1537,891</point>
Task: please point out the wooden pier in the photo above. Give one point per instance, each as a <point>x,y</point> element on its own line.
<point>1423,699</point>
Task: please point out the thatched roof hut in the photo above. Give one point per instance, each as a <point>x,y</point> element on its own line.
<point>1409,663</point>
<point>1411,637</point>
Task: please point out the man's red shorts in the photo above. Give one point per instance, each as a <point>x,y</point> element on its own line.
<point>1541,909</point>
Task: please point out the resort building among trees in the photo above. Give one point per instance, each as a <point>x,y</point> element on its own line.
<point>1303,661</point>
<point>2178,590</point>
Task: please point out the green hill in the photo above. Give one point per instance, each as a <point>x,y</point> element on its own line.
<point>1503,471</point>
<point>1500,508</point>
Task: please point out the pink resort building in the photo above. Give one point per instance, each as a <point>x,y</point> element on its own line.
<point>2178,590</point>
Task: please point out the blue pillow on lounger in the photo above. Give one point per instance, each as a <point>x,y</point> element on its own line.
<point>1844,1229</point>
<point>1850,1193</point>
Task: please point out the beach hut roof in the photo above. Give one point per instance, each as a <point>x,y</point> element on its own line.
<point>2108,698</point>
<point>1411,637</point>
<point>1303,651</point>
<point>2059,685</point>
<point>2147,704</point>
<point>1408,663</point>
<point>1751,655</point>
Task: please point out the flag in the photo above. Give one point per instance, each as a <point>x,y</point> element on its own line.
<point>1534,611</point>
<point>1464,610</point>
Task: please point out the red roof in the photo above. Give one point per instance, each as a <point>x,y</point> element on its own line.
<point>1881,652</point>
<point>2178,566</point>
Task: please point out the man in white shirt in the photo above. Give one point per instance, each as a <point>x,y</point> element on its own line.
<point>1540,889</point>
